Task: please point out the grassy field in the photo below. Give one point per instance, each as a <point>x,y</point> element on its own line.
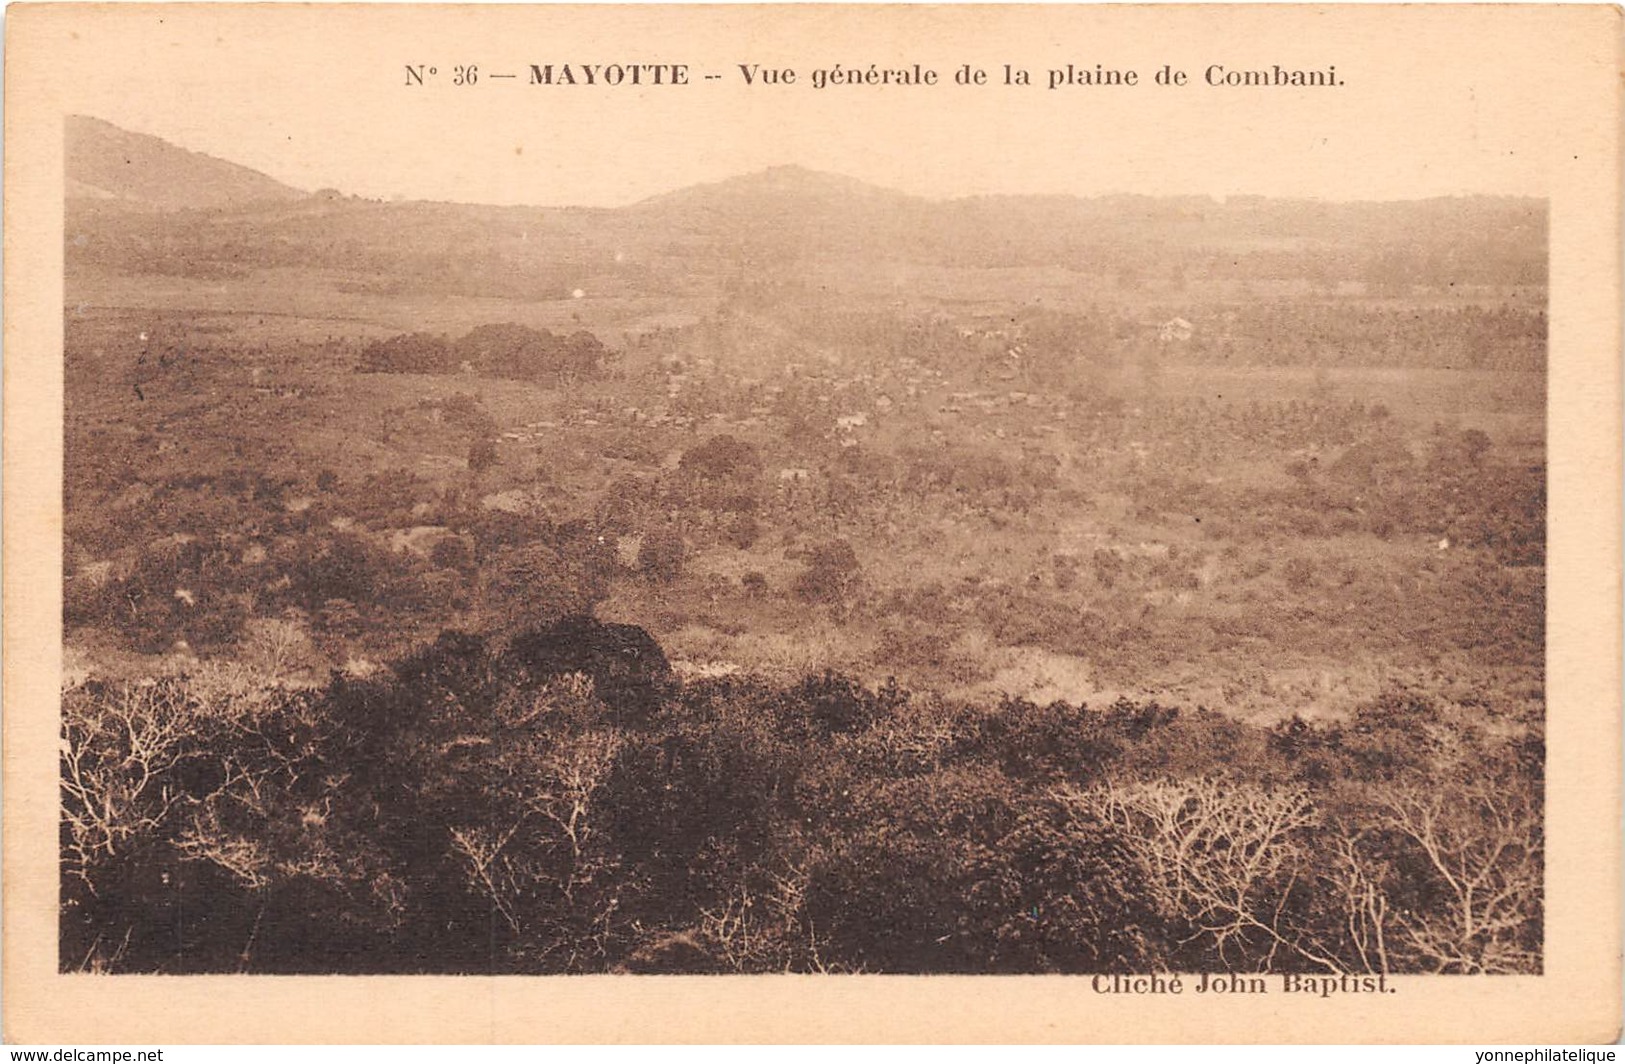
<point>280,305</point>
<point>1144,561</point>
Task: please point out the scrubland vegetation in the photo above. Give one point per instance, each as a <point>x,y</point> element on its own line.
<point>652,598</point>
<point>478,811</point>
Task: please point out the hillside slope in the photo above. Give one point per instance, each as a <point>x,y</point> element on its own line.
<point>106,162</point>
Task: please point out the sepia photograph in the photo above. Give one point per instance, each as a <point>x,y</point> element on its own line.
<point>778,575</point>
<point>575,556</point>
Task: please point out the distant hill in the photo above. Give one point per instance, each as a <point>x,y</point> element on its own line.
<point>777,196</point>
<point>105,162</point>
<point>789,214</point>
<point>775,186</point>
<point>772,232</point>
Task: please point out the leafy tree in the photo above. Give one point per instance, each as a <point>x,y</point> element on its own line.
<point>533,586</point>
<point>831,575</point>
<point>523,353</point>
<point>408,353</point>
<point>723,457</point>
<point>661,555</point>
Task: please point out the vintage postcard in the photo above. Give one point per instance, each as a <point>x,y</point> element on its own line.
<point>812,523</point>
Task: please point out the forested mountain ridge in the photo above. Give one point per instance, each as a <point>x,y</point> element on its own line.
<point>140,206</point>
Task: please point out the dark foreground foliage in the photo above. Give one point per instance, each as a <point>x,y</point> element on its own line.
<point>565,805</point>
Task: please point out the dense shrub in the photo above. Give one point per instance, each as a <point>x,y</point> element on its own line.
<point>562,804</point>
<point>661,555</point>
<point>722,457</point>
<point>522,353</point>
<point>505,350</point>
<point>408,353</point>
<point>482,455</point>
<point>831,575</point>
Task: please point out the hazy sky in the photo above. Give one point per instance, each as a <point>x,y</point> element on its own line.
<point>1436,102</point>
